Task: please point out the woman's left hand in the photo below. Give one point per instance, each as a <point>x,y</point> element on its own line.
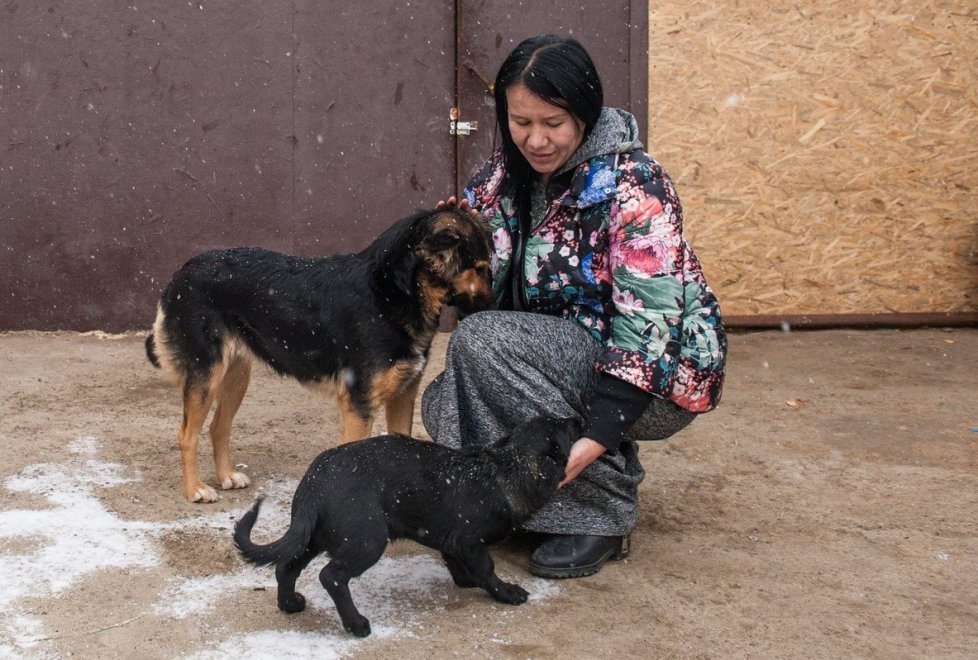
<point>583,452</point>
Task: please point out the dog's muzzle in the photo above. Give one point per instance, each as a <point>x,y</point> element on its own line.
<point>467,304</point>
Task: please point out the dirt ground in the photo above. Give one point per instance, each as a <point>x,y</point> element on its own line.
<point>826,509</point>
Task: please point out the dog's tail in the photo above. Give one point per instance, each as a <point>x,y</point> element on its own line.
<point>151,350</point>
<point>292,544</point>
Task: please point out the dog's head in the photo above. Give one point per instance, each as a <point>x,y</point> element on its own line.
<point>534,458</point>
<point>546,437</point>
<point>455,250</point>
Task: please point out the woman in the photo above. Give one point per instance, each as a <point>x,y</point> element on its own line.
<point>622,331</point>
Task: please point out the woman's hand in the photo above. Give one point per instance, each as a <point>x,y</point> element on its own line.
<point>462,206</point>
<point>583,452</point>
<point>451,201</point>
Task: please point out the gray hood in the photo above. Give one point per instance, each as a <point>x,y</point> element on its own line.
<point>615,133</point>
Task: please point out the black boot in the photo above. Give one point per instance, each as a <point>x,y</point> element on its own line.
<point>569,556</point>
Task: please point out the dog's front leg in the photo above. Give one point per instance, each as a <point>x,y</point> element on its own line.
<point>353,426</point>
<point>460,573</point>
<point>399,409</point>
<point>476,564</point>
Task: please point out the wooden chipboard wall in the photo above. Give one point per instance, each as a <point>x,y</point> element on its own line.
<point>826,153</point>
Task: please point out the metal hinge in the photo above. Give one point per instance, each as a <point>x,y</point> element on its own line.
<point>456,127</point>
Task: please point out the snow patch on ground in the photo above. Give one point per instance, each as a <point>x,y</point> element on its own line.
<point>75,533</point>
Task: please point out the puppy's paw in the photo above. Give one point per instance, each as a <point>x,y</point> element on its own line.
<point>235,480</point>
<point>203,493</point>
<point>292,603</point>
<point>511,594</point>
<point>358,625</point>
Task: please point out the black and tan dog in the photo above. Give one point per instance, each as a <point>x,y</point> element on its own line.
<point>356,497</point>
<point>359,325</point>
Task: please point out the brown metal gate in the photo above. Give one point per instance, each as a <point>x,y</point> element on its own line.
<point>134,136</point>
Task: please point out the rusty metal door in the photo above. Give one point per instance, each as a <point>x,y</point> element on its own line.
<point>372,97</point>
<point>134,136</point>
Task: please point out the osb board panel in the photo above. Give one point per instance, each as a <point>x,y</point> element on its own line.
<point>826,156</point>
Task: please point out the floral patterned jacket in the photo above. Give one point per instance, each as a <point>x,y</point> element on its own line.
<point>610,254</point>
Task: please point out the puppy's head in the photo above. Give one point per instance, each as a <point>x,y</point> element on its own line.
<point>547,436</point>
<point>456,251</point>
<point>534,457</point>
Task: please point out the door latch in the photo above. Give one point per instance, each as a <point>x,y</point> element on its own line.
<point>456,127</point>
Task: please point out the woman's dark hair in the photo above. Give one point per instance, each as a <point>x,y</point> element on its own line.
<point>559,71</point>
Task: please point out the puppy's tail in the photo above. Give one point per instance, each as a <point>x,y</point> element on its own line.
<point>292,544</point>
<point>151,350</point>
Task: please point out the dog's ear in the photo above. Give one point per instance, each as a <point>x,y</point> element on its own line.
<point>440,250</point>
<point>442,240</point>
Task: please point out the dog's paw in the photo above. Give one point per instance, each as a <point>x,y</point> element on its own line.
<point>511,594</point>
<point>203,493</point>
<point>358,625</point>
<point>293,603</point>
<point>235,480</point>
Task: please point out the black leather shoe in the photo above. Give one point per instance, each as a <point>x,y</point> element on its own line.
<point>570,556</point>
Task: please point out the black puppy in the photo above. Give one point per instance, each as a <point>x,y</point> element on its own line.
<point>355,497</point>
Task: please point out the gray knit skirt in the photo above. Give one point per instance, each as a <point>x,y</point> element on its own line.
<point>503,368</point>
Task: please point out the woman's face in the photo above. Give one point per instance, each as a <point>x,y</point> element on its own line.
<point>545,134</point>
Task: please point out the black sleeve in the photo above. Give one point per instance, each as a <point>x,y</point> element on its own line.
<point>615,405</point>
